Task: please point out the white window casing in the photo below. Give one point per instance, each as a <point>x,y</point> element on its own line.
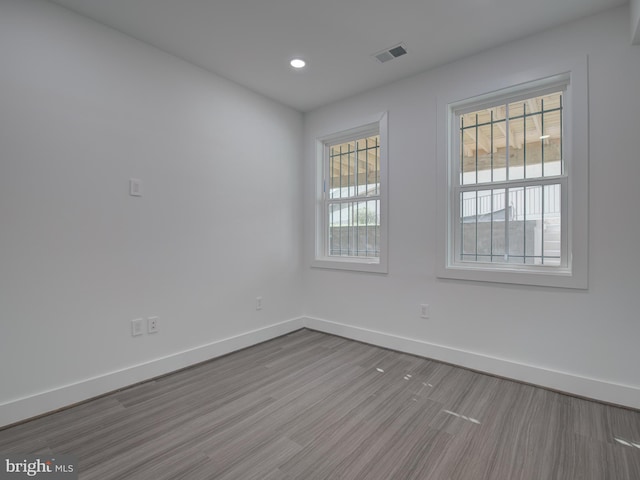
<point>326,253</point>
<point>570,268</point>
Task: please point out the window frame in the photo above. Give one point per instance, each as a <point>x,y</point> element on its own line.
<point>375,125</point>
<point>572,272</point>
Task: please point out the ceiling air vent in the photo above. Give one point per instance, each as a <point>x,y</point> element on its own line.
<point>390,53</point>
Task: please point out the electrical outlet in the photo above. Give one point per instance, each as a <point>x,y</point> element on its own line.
<point>152,324</point>
<point>424,310</point>
<point>136,327</point>
<point>258,303</point>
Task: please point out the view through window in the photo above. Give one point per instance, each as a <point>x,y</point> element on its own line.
<point>353,198</point>
<point>511,177</point>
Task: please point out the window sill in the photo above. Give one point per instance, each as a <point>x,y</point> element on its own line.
<point>355,264</point>
<point>541,276</point>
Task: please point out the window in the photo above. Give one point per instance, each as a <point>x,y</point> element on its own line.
<point>353,198</point>
<point>351,207</point>
<point>515,199</point>
<point>510,182</point>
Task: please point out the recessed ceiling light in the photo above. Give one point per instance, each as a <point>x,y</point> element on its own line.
<point>297,63</point>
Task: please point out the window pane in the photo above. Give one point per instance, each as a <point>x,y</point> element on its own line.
<point>517,137</point>
<point>485,153</point>
<point>531,139</point>
<point>468,119</point>
<point>522,226</point>
<point>468,205</point>
<point>468,154</point>
<point>552,143</point>
<point>551,225</point>
<point>533,146</point>
<point>339,170</point>
<point>516,231</point>
<point>544,136</point>
<point>351,173</point>
<point>354,168</point>
<point>499,217</point>
<point>516,109</point>
<point>354,228</point>
<point>533,225</point>
<point>370,164</point>
<point>552,101</point>
<point>500,151</point>
<point>499,113</point>
<point>484,224</point>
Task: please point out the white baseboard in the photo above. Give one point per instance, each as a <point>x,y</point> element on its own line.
<point>24,408</point>
<point>48,401</point>
<point>614,393</point>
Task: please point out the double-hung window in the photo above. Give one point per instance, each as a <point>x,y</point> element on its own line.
<point>351,194</point>
<point>511,181</point>
<point>516,190</point>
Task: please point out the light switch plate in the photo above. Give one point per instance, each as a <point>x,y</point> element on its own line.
<point>136,327</point>
<point>135,187</point>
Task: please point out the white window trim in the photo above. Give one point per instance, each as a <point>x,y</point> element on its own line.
<point>379,124</point>
<point>575,273</point>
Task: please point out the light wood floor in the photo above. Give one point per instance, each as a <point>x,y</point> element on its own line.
<point>312,406</point>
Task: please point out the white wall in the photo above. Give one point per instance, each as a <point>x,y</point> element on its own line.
<point>585,342</point>
<point>82,109</point>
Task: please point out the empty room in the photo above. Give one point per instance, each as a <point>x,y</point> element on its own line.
<point>300,240</point>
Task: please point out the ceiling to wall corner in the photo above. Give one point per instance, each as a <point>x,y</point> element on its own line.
<point>252,41</point>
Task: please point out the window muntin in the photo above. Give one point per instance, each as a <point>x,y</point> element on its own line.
<point>352,199</point>
<point>510,182</point>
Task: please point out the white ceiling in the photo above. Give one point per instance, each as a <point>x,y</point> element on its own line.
<point>252,41</point>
